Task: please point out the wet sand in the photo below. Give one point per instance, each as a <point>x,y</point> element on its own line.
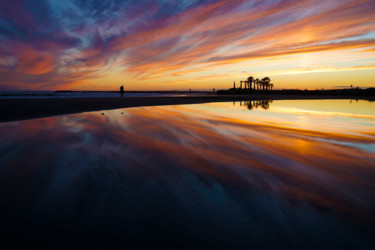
<point>216,176</point>
<point>22,109</point>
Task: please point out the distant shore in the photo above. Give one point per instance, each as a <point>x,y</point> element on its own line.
<point>22,109</point>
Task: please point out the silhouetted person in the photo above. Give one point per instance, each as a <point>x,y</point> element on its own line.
<point>122,91</point>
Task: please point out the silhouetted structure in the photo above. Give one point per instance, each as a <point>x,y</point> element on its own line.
<point>122,91</point>
<point>349,92</point>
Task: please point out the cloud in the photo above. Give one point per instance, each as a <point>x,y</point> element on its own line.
<point>153,39</point>
<point>208,35</point>
<point>297,49</point>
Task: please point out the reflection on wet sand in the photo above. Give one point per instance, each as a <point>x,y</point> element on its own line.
<point>189,175</point>
<point>251,104</point>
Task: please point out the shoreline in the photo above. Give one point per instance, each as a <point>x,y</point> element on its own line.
<point>24,109</point>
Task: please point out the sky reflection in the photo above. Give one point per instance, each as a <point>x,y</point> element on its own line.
<point>209,173</point>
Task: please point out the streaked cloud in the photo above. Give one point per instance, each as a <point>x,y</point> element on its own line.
<point>78,44</point>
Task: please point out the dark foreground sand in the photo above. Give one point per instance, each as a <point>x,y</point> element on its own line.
<point>21,109</point>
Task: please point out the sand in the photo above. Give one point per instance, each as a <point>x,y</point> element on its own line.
<point>21,109</point>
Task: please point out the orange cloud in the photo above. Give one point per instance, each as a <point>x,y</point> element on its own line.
<point>206,37</point>
<point>33,62</point>
<point>208,32</point>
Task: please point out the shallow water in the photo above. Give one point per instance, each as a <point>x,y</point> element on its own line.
<point>266,174</point>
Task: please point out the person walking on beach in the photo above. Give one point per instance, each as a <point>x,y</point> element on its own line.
<point>122,91</point>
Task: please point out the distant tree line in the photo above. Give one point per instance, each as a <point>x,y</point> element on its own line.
<point>255,84</point>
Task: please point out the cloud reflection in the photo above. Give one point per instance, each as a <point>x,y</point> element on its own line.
<point>196,164</point>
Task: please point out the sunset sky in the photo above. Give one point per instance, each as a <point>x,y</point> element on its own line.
<point>183,44</point>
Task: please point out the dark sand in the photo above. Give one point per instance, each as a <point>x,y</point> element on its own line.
<point>21,109</point>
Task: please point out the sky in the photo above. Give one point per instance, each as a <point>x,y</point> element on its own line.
<point>185,44</point>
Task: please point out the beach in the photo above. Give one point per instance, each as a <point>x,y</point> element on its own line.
<point>187,124</point>
<point>22,109</point>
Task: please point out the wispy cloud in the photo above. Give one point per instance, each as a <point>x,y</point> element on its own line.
<point>56,44</point>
